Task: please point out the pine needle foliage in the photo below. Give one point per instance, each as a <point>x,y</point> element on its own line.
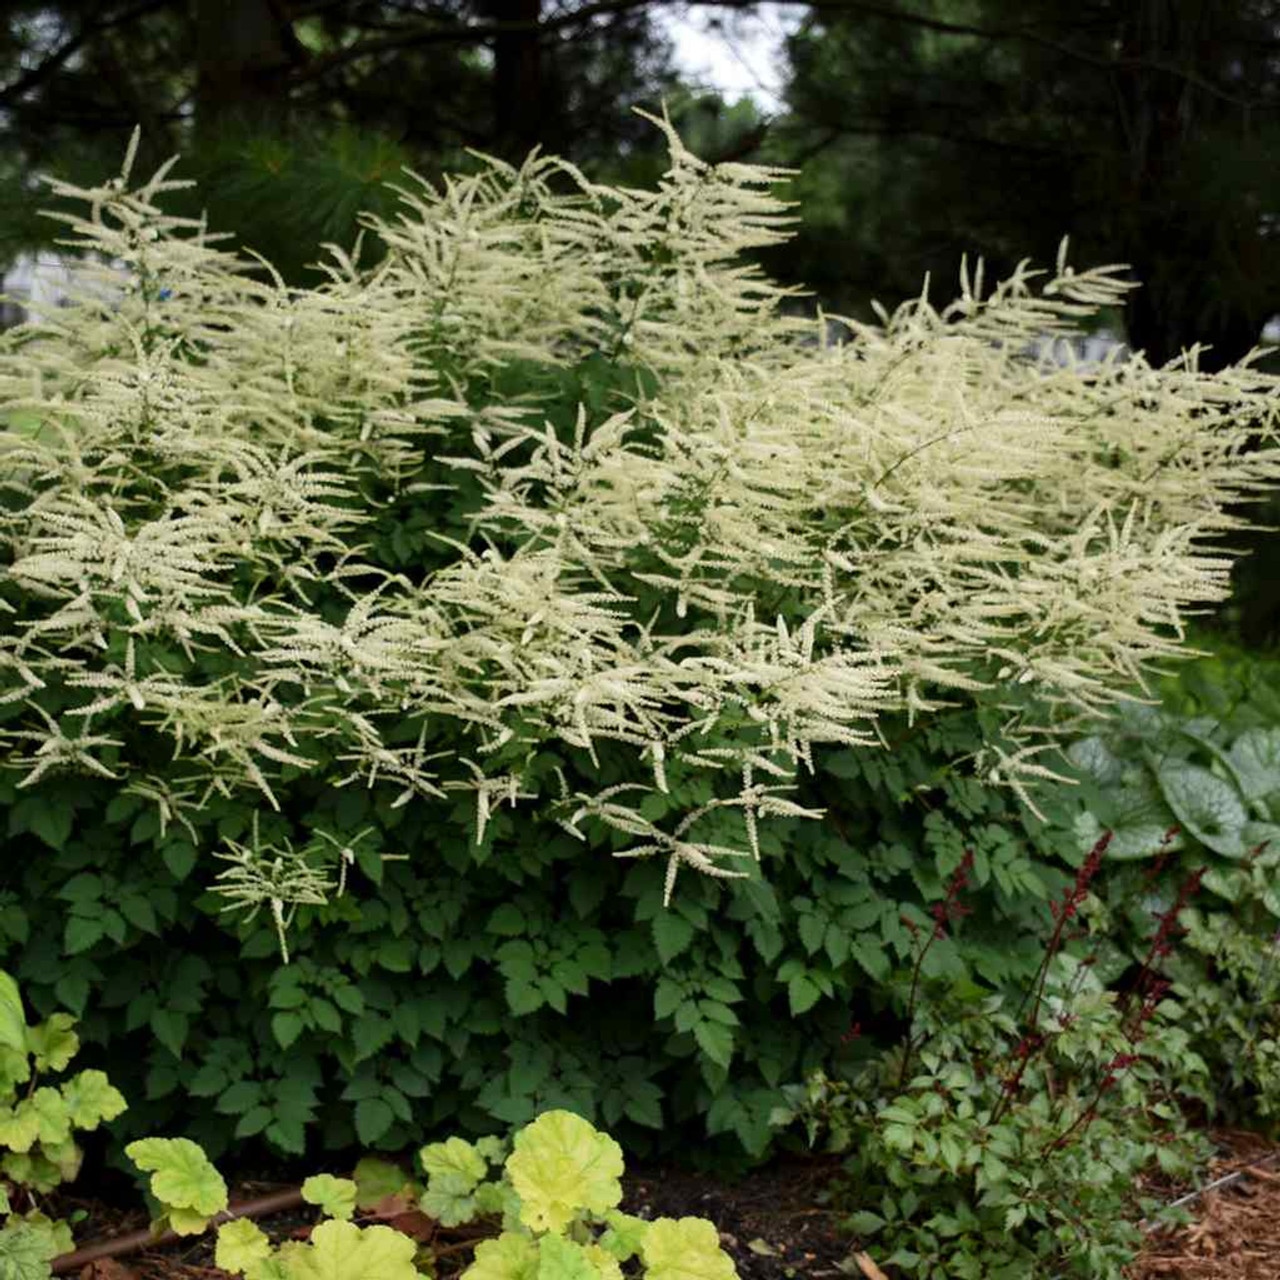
<point>185,516</point>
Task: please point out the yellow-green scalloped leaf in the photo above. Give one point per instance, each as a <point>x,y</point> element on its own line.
<point>53,1043</point>
<point>685,1249</point>
<point>509,1257</point>
<point>59,1232</point>
<point>13,1023</point>
<point>562,1164</point>
<point>25,1252</point>
<point>243,1247</point>
<point>625,1235</point>
<point>335,1196</point>
<point>561,1259</point>
<point>343,1251</point>
<point>453,1167</point>
<point>182,1179</point>
<point>376,1179</point>
<point>43,1117</point>
<point>91,1099</point>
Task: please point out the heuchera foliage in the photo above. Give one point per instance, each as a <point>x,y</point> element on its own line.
<point>374,657</point>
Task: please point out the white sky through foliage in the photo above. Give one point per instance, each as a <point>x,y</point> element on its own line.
<point>740,54</point>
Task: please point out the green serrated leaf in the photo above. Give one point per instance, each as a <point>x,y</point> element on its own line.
<point>373,1118</point>
<point>672,934</point>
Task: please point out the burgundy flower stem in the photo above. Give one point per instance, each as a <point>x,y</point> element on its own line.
<point>1115,1069</point>
<point>1032,1040</point>
<point>277,1202</point>
<point>948,909</point>
<point>1071,901</point>
<point>1167,928</point>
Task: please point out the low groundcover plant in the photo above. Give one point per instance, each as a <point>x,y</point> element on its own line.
<point>38,1122</point>
<point>557,1200</point>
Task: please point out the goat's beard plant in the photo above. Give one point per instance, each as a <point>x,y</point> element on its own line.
<point>182,519</point>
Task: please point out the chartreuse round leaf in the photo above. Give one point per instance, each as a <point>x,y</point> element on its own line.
<point>509,1257</point>
<point>25,1252</point>
<point>336,1196</point>
<point>625,1235</point>
<point>243,1247</point>
<point>343,1251</point>
<point>59,1232</point>
<point>376,1179</point>
<point>561,1165</point>
<point>13,1024</point>
<point>561,1259</point>
<point>53,1043</point>
<point>453,1166</point>
<point>91,1099</point>
<point>41,1117</point>
<point>454,1169</point>
<point>685,1249</point>
<point>182,1179</point>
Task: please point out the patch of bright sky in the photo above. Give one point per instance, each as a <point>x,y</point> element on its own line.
<point>736,52</point>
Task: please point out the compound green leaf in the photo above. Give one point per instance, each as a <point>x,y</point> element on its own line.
<point>672,933</point>
<point>373,1118</point>
<point>562,1164</point>
<point>343,1251</point>
<point>335,1196</point>
<point>715,1040</point>
<point>685,1249</point>
<point>803,994</point>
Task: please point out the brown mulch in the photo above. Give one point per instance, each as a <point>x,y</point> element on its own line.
<point>773,1227</point>
<point>1235,1234</point>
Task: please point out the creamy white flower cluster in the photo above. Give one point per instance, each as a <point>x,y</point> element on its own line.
<point>193,462</point>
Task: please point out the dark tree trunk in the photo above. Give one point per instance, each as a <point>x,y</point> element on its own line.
<point>242,55</point>
<point>518,104</point>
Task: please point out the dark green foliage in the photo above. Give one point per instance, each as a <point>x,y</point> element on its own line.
<point>478,984</point>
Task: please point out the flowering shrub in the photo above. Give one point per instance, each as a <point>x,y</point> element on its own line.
<point>548,541</point>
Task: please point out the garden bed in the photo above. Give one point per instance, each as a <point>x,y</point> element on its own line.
<point>773,1227</point>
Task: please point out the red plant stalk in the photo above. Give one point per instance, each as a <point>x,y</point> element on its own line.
<point>950,908</point>
<point>1032,1040</point>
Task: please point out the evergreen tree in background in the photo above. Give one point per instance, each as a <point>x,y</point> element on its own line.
<point>1147,129</point>
<point>293,114</point>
